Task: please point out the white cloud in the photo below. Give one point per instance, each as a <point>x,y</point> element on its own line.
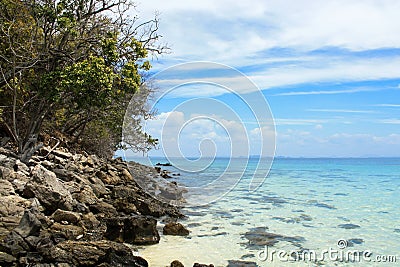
<point>298,121</point>
<point>390,121</point>
<point>220,82</point>
<point>230,29</point>
<point>186,134</point>
<point>388,105</point>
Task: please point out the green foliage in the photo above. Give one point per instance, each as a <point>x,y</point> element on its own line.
<point>70,66</point>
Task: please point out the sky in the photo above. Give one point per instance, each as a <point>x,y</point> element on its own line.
<point>329,72</point>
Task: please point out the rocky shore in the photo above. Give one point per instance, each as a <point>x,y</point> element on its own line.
<point>64,209</point>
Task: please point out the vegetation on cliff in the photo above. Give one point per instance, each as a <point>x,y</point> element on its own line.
<point>68,69</point>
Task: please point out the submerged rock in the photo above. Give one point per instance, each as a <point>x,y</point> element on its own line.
<point>174,228</point>
<point>259,237</point>
<point>355,241</point>
<point>235,263</point>
<point>349,226</point>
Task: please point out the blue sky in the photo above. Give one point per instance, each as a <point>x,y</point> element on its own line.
<point>330,71</point>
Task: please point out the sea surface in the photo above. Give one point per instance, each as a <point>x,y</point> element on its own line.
<point>332,207</point>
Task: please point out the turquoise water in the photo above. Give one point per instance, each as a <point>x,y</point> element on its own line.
<point>310,203</point>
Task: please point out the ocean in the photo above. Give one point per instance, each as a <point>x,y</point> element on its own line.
<point>307,212</point>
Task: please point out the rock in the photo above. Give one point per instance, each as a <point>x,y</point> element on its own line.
<point>63,174</point>
<point>68,216</point>
<point>62,154</point>
<point>29,225</point>
<point>108,178</point>
<point>17,179</point>
<point>61,232</point>
<point>355,241</point>
<point>11,212</point>
<point>174,228</point>
<point>6,188</point>
<point>94,253</point>
<point>126,175</point>
<point>90,221</point>
<point>163,164</point>
<point>107,210</point>
<point>348,226</point>
<point>21,167</point>
<point>7,259</point>
<point>258,238</point>
<point>202,265</point>
<point>51,192</point>
<point>98,187</point>
<point>14,244</point>
<point>139,230</point>
<point>86,195</point>
<point>6,160</point>
<point>234,263</point>
<point>124,206</point>
<point>165,175</point>
<point>25,235</point>
<point>176,263</point>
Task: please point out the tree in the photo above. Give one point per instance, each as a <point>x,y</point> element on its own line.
<point>71,66</point>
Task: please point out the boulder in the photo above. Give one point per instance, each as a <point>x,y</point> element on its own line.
<point>30,225</point>
<point>66,216</point>
<point>51,192</point>
<point>108,178</point>
<point>86,195</point>
<point>98,186</point>
<point>174,228</point>
<point>94,253</point>
<point>139,230</point>
<point>104,209</point>
<point>61,232</point>
<point>176,263</point>
<point>202,265</point>
<point>17,178</point>
<point>23,237</point>
<point>11,212</point>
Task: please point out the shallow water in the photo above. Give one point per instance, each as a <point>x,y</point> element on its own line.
<point>309,203</point>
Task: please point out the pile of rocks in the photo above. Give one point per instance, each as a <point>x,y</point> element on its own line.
<point>64,209</point>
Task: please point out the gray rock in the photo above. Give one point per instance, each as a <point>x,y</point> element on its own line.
<point>235,263</point>
<point>348,226</point>
<point>11,212</point>
<point>29,225</point>
<point>50,191</point>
